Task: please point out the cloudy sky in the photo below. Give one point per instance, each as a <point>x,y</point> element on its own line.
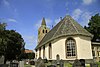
<point>25,16</point>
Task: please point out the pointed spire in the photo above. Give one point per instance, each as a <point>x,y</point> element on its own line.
<point>43,22</point>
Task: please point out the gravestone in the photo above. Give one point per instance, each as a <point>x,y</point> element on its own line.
<point>12,64</point>
<point>77,63</point>
<point>93,65</point>
<point>35,60</point>
<point>53,64</point>
<point>61,63</point>
<point>40,62</point>
<point>82,61</point>
<point>21,63</point>
<point>58,59</point>
<point>45,60</point>
<point>2,60</point>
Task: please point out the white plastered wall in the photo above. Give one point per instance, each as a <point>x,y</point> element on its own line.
<point>42,52</point>
<point>47,51</point>
<point>83,48</point>
<point>58,47</point>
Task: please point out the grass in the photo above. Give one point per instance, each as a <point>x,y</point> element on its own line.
<point>87,65</point>
<point>98,64</point>
<point>67,65</point>
<point>27,65</point>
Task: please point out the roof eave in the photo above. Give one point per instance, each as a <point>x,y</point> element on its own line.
<point>38,46</point>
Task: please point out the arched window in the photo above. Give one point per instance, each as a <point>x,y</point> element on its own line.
<point>43,31</point>
<point>39,52</point>
<point>50,51</point>
<point>43,51</point>
<point>70,47</point>
<point>46,31</point>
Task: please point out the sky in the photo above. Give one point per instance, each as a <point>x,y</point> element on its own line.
<point>25,16</point>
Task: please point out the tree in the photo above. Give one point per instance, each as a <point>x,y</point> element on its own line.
<point>3,26</point>
<point>27,55</point>
<point>94,27</point>
<point>31,55</point>
<point>11,44</point>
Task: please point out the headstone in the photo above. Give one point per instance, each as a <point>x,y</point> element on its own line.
<point>8,63</point>
<point>35,60</point>
<point>21,63</point>
<point>61,63</point>
<point>2,60</point>
<point>93,65</point>
<point>58,59</point>
<point>51,66</point>
<point>13,64</point>
<point>76,63</point>
<point>53,63</point>
<point>45,60</point>
<point>40,62</point>
<point>82,61</point>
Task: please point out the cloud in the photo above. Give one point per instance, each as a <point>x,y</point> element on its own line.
<point>87,2</point>
<point>82,16</point>
<point>6,3</point>
<point>12,20</point>
<point>76,13</point>
<point>85,17</point>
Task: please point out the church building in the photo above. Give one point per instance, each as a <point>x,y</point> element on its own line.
<point>68,39</point>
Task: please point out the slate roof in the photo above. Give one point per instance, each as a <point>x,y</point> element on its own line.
<point>66,27</point>
<point>43,22</point>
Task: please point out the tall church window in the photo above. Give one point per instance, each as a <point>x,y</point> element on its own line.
<point>50,51</point>
<point>43,31</point>
<point>43,51</point>
<point>93,52</point>
<point>70,47</point>
<point>46,31</point>
<point>39,52</point>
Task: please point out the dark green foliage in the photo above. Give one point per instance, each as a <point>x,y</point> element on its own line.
<point>94,27</point>
<point>31,55</point>
<point>28,56</point>
<point>11,44</point>
<point>2,26</point>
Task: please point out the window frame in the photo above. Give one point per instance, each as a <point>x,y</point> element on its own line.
<point>70,45</point>
<point>43,51</point>
<point>50,51</point>
<point>43,31</point>
<point>39,52</point>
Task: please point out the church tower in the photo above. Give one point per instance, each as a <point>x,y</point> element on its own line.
<point>42,30</point>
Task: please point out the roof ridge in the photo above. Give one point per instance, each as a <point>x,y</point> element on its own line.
<point>58,28</point>
<point>74,25</point>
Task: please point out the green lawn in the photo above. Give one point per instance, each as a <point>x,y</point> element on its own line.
<point>66,65</point>
<point>27,65</point>
<point>98,64</point>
